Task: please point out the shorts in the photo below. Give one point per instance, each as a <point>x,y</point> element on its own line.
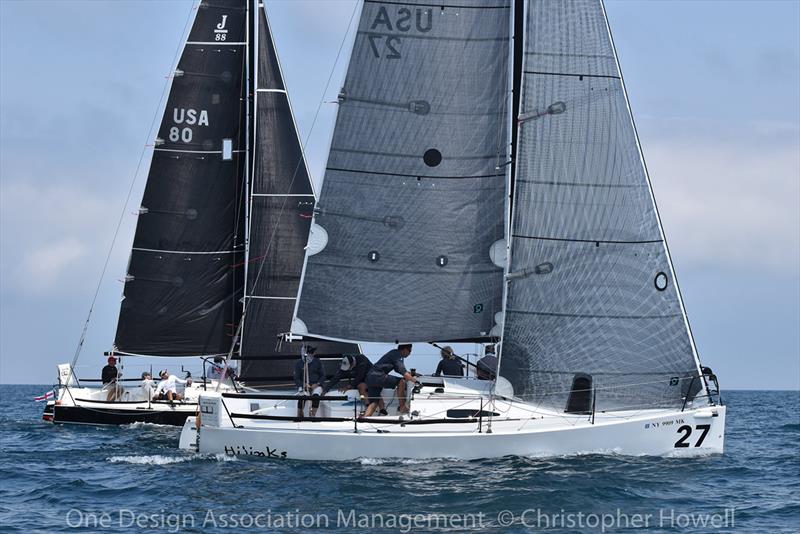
<point>376,386</point>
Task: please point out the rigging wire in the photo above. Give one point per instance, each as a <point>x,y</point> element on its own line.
<point>164,92</point>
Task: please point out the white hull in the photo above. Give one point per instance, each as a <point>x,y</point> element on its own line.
<point>521,430</point>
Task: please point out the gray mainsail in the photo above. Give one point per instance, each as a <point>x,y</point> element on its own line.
<point>413,196</point>
<point>591,288</point>
<point>281,206</point>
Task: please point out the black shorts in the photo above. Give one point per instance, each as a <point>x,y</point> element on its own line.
<point>374,389</point>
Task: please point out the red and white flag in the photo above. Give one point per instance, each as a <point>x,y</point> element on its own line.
<point>49,395</point>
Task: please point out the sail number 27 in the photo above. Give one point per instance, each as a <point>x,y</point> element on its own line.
<point>686,432</point>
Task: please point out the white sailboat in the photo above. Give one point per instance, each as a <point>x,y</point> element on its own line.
<point>224,220</point>
<point>446,217</point>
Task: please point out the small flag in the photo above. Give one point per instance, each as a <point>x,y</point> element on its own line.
<point>49,395</point>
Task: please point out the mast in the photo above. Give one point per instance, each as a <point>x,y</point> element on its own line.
<point>517,51</point>
<point>252,83</point>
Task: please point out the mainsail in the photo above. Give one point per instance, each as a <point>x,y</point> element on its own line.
<point>413,198</point>
<point>183,284</point>
<point>591,287</point>
<point>281,207</point>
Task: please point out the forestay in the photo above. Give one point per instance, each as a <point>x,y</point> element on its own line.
<point>183,284</point>
<point>591,286</point>
<point>413,196</point>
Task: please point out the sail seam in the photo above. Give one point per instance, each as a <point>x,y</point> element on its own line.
<point>273,298</point>
<point>612,242</point>
<point>427,38</point>
<point>578,184</point>
<point>216,43</point>
<point>195,151</point>
<point>187,251</point>
<point>271,91</point>
<point>590,316</point>
<point>280,195</point>
<point>416,175</point>
<point>454,6</point>
<point>572,74</point>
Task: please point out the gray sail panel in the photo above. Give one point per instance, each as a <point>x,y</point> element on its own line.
<point>590,288</point>
<point>281,207</point>
<point>184,277</point>
<point>412,199</point>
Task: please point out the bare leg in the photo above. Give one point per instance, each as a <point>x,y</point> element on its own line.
<point>111,392</point>
<point>169,396</point>
<point>401,397</point>
<point>371,409</point>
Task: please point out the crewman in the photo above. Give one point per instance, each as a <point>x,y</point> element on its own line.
<point>449,365</point>
<point>354,369</point>
<point>309,375</point>
<point>167,388</point>
<point>379,378</point>
<point>109,376</point>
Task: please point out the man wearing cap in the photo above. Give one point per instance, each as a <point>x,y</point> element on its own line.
<point>167,388</point>
<point>109,377</point>
<point>449,365</point>
<point>309,375</point>
<point>379,378</point>
<point>354,369</point>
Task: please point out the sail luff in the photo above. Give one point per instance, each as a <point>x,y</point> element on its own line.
<point>673,276</point>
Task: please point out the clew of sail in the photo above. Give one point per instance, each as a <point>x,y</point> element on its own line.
<point>591,289</point>
<point>184,279</point>
<point>413,197</point>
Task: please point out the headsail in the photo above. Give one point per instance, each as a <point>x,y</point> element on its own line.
<point>281,206</point>
<point>591,287</point>
<point>413,198</point>
<point>183,284</point>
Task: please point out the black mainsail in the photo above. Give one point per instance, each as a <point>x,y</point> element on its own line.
<point>182,287</point>
<point>227,207</point>
<point>413,196</point>
<point>591,286</point>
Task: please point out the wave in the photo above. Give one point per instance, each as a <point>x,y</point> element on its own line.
<point>160,459</point>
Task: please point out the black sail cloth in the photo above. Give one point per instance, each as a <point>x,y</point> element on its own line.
<point>281,206</point>
<point>183,283</point>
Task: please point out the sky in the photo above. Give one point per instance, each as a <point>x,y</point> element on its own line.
<point>714,87</point>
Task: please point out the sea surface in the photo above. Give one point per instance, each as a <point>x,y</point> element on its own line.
<point>133,478</point>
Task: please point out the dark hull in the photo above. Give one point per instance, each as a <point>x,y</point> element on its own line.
<point>106,416</point>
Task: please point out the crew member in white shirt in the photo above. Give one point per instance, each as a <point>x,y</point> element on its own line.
<point>168,388</point>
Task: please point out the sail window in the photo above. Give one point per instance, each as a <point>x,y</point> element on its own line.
<point>661,281</point>
<point>544,268</point>
<point>432,157</point>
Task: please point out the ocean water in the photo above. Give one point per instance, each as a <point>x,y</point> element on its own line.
<point>109,479</point>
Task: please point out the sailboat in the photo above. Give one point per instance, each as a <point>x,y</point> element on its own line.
<point>218,249</point>
<point>485,184</point>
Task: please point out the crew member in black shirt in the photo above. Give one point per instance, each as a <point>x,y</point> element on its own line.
<point>379,378</point>
<point>109,377</point>
<point>449,365</point>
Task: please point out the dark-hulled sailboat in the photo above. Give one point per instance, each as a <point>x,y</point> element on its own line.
<point>219,245</point>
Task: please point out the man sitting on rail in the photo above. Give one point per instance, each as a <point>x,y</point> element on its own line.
<point>379,378</point>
